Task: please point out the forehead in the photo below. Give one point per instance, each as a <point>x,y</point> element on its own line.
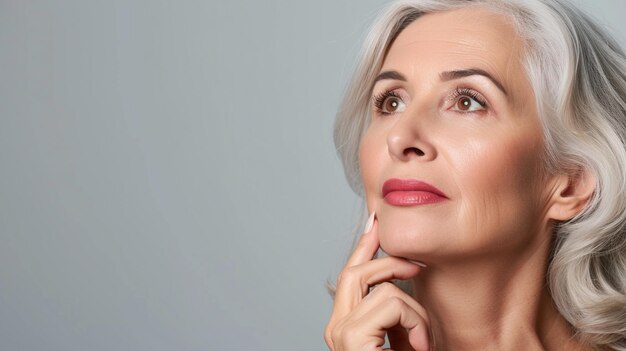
<point>469,37</point>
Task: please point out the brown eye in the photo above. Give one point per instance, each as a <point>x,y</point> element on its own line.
<point>391,104</point>
<point>388,103</point>
<point>464,103</point>
<point>467,100</point>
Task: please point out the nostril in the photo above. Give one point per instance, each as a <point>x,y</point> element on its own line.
<point>417,151</point>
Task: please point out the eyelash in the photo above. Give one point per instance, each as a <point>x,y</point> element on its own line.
<point>380,99</point>
<point>458,92</point>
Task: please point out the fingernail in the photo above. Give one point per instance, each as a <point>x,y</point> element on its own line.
<point>421,264</point>
<point>370,222</point>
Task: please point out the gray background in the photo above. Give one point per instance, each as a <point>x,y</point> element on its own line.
<point>167,174</point>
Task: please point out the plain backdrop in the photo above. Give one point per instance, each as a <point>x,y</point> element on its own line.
<point>168,179</point>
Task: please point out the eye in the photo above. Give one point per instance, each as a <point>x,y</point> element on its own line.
<point>467,100</point>
<point>388,102</point>
<point>467,104</point>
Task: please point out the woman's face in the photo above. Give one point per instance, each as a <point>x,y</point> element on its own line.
<point>453,109</point>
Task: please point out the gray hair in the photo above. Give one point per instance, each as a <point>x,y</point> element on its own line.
<point>578,73</point>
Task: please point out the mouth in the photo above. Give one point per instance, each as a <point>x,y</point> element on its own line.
<point>411,192</point>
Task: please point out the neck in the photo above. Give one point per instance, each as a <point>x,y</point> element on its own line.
<point>500,303</point>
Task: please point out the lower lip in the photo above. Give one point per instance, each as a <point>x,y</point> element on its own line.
<point>412,198</point>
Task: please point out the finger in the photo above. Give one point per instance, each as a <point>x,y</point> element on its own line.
<point>395,311</point>
<point>366,247</point>
<point>364,251</point>
<point>398,335</point>
<point>380,294</point>
<point>354,282</point>
<point>346,297</point>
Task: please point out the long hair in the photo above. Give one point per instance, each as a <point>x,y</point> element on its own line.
<point>578,73</point>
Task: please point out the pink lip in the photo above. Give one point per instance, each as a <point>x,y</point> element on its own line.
<point>411,192</point>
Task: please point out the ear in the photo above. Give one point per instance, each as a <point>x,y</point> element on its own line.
<point>571,194</point>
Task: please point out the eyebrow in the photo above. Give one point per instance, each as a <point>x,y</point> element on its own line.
<point>390,75</point>
<point>446,76</point>
<point>450,75</point>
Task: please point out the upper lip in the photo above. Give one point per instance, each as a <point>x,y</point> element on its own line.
<point>395,184</point>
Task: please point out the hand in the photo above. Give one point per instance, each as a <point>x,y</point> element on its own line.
<point>359,320</point>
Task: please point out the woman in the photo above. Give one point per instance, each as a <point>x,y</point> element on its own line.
<point>487,139</point>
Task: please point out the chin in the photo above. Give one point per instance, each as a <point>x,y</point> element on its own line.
<point>427,234</point>
<point>406,240</point>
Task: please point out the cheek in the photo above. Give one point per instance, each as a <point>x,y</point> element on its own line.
<point>372,151</point>
<point>484,167</point>
<point>497,182</point>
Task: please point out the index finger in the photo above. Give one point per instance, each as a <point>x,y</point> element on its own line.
<point>367,246</point>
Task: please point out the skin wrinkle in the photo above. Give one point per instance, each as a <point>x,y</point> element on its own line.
<point>496,224</point>
<point>413,66</point>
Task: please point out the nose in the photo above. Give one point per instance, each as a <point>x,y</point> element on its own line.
<point>409,139</point>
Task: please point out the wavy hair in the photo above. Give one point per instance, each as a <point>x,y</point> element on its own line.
<point>578,73</point>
